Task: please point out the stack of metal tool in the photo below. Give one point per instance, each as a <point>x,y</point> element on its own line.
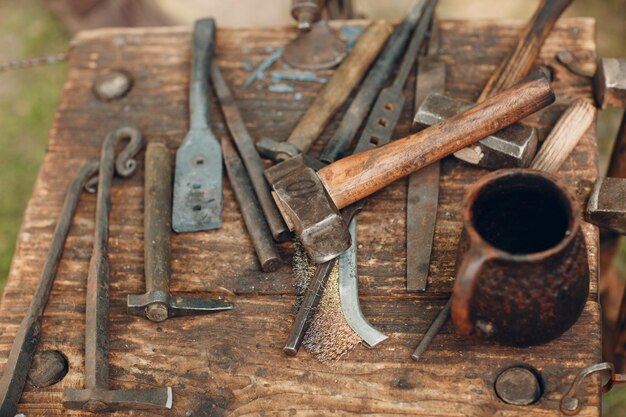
<point>316,201</point>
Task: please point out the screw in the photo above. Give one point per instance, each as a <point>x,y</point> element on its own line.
<point>112,85</point>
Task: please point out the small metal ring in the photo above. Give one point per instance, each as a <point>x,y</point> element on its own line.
<point>570,404</point>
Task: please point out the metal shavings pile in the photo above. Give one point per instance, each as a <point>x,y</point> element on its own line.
<point>329,336</point>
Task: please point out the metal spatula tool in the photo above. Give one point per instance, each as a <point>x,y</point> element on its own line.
<point>197,202</point>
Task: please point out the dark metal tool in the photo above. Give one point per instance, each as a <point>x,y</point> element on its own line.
<point>349,292</point>
<point>317,46</point>
<point>515,146</point>
<point>157,304</point>
<point>249,155</point>
<point>423,188</point>
<point>386,112</point>
<point>97,397</point>
<point>313,295</point>
<point>332,96</point>
<point>570,404</point>
<point>197,203</point>
<point>378,131</point>
<point>259,233</point>
<point>374,81</point>
<point>310,201</point>
<point>27,338</point>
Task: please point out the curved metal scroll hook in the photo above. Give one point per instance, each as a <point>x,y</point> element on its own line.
<point>570,404</point>
<point>125,164</point>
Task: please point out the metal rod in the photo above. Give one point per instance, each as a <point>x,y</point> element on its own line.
<point>258,230</point>
<point>27,338</point>
<point>96,397</point>
<point>249,155</point>
<point>433,330</point>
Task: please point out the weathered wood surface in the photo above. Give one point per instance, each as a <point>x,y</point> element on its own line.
<point>232,363</point>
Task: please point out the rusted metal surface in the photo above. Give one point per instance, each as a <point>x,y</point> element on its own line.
<point>388,106</point>
<point>315,218</point>
<point>197,203</point>
<point>258,230</point>
<point>566,59</point>
<point>514,146</point>
<point>309,201</point>
<point>249,155</point>
<point>610,83</point>
<point>315,49</point>
<point>374,81</point>
<point>518,386</point>
<point>423,188</point>
<point>522,274</point>
<point>27,337</point>
<point>157,304</point>
<point>606,206</point>
<point>97,397</point>
<point>570,404</point>
<point>317,46</point>
<point>313,294</point>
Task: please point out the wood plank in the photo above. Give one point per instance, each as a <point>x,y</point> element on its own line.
<point>231,363</point>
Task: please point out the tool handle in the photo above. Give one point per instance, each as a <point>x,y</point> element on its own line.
<point>564,136</point>
<point>203,45</point>
<point>157,220</point>
<point>357,176</point>
<point>338,88</point>
<point>521,58</point>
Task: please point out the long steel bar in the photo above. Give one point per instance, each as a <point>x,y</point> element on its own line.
<point>27,338</point>
<point>249,155</point>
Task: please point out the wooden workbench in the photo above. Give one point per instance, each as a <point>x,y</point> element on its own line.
<point>232,363</point>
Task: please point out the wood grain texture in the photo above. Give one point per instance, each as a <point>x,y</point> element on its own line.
<point>232,363</point>
<point>350,179</point>
<point>521,58</point>
<point>563,138</point>
<point>338,89</point>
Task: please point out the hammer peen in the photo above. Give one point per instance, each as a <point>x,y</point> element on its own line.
<point>310,201</point>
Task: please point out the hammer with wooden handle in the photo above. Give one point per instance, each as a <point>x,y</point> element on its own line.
<point>332,96</point>
<point>310,201</point>
<point>515,146</point>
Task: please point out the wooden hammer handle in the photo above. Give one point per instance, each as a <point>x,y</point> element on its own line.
<point>521,58</point>
<point>563,138</point>
<point>355,177</point>
<point>338,88</point>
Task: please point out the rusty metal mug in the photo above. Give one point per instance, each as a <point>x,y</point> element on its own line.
<point>522,270</point>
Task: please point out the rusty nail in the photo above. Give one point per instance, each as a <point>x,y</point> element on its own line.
<point>112,85</point>
<point>518,386</point>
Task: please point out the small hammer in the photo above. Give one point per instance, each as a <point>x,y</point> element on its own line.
<point>157,304</point>
<point>515,146</point>
<point>310,201</point>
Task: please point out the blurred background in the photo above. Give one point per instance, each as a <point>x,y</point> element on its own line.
<point>28,97</point>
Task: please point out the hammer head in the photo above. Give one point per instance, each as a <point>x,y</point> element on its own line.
<point>606,206</point>
<point>513,147</point>
<point>160,305</point>
<point>97,400</point>
<point>610,83</point>
<point>308,209</point>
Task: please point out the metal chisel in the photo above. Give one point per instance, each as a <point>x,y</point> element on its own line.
<point>197,202</point>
